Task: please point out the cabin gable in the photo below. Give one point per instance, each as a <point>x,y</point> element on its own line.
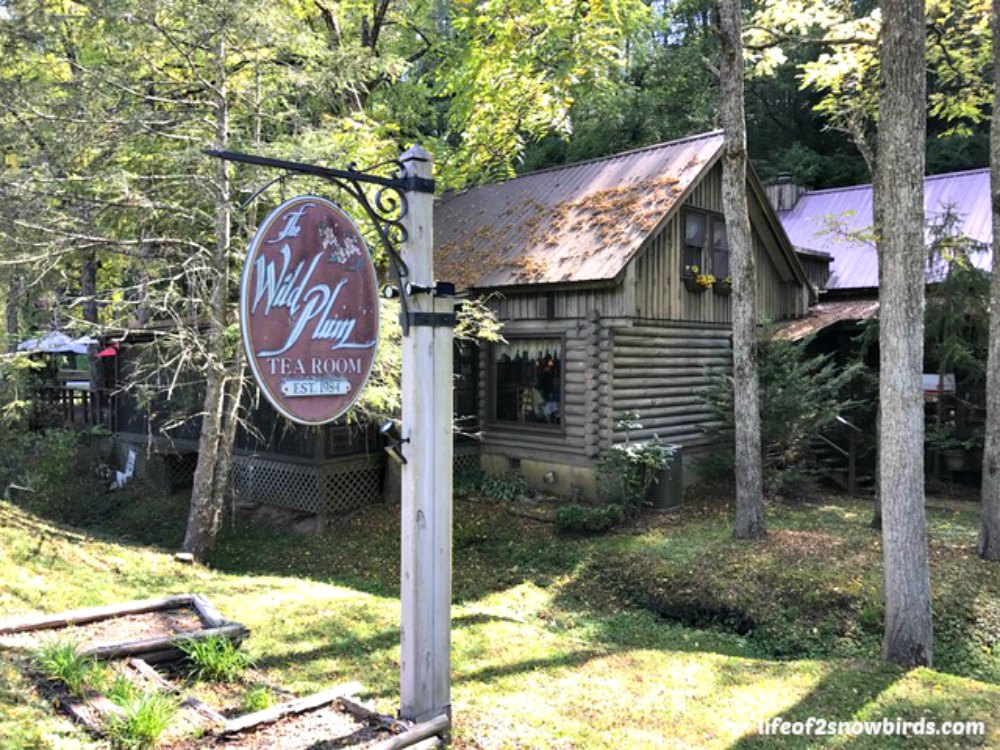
<point>659,289</point>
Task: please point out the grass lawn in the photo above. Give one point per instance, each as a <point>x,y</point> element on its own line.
<point>667,634</point>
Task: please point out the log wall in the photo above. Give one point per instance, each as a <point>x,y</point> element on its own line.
<point>662,370</point>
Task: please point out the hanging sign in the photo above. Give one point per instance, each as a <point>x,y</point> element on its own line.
<point>309,310</point>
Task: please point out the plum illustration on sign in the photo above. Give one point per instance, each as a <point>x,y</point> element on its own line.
<point>309,310</point>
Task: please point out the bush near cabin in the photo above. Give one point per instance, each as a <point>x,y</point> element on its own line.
<point>800,395</point>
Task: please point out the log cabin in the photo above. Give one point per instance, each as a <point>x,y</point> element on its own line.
<point>611,279</point>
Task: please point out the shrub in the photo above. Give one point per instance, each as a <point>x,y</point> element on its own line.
<point>579,519</point>
<point>215,659</point>
<point>800,395</point>
<point>628,470</point>
<point>468,482</point>
<point>43,464</point>
<point>62,661</point>
<point>145,718</point>
<point>506,486</point>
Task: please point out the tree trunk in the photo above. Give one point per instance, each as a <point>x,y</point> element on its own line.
<point>88,287</point>
<point>749,522</point>
<point>227,436</point>
<point>205,514</point>
<point>876,522</point>
<point>989,528</point>
<point>13,329</point>
<point>901,137</point>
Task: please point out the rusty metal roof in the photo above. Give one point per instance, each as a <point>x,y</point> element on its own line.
<point>834,221</point>
<point>577,223</point>
<point>825,314</point>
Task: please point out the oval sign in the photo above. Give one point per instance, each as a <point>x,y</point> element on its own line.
<point>309,310</point>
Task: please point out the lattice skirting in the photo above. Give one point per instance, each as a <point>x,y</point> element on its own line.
<point>331,488</point>
<point>338,486</point>
<point>466,458</point>
<point>164,471</point>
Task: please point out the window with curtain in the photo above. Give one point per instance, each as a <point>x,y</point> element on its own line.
<point>527,381</point>
<point>694,243</point>
<point>720,249</point>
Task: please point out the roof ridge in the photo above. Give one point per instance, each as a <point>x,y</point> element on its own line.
<point>868,185</point>
<point>629,152</point>
<point>956,172</point>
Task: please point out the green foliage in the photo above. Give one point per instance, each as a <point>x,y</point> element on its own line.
<point>42,469</point>
<point>841,68</point>
<point>956,317</point>
<point>505,487</point>
<point>18,388</point>
<point>800,395</point>
<point>627,470</point>
<point>381,398</point>
<point>215,659</point>
<point>122,690</point>
<point>146,716</point>
<point>468,482</point>
<point>63,662</point>
<point>257,698</point>
<point>581,519</point>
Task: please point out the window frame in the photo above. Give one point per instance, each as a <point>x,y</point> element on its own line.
<point>710,219</point>
<point>719,219</point>
<point>491,386</point>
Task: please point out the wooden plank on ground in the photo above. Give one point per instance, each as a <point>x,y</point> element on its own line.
<point>208,612</point>
<point>420,732</point>
<point>92,614</point>
<point>152,675</point>
<point>297,706</point>
<point>234,632</point>
<point>204,710</point>
<point>371,716</point>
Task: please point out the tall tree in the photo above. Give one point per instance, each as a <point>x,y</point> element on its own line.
<point>749,522</point>
<point>901,136</point>
<point>989,529</point>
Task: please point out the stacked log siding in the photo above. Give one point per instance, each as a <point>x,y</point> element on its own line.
<point>662,371</point>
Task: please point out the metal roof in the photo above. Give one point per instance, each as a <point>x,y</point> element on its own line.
<point>836,221</point>
<point>577,223</point>
<point>826,314</point>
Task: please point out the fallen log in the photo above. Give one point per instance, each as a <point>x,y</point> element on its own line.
<point>374,717</point>
<point>92,614</point>
<point>235,632</point>
<point>297,706</point>
<point>423,731</point>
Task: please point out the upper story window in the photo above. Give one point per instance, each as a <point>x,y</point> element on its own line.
<point>694,242</point>
<point>706,246</point>
<point>527,381</point>
<point>720,249</point>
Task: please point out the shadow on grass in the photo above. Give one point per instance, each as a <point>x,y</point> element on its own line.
<point>493,551</point>
<point>340,645</point>
<point>839,696</point>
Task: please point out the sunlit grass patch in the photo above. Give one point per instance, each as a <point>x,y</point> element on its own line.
<point>547,652</point>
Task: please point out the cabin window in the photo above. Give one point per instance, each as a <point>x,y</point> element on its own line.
<point>720,249</point>
<point>694,243</point>
<point>528,381</point>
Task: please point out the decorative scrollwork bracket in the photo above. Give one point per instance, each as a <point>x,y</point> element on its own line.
<point>385,212</point>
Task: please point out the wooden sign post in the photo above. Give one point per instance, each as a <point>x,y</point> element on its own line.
<point>427,413</point>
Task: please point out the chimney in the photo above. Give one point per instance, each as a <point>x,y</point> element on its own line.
<point>784,192</point>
